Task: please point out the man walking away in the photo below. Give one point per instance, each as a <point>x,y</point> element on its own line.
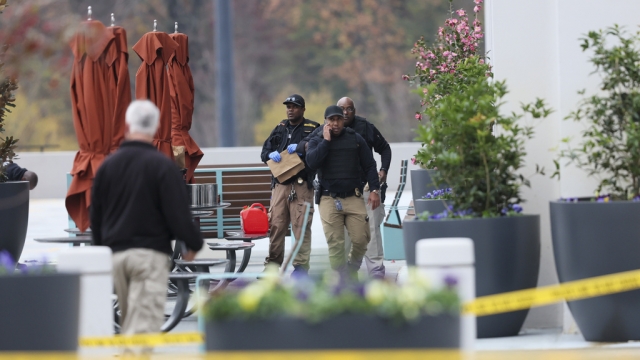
<point>139,204</point>
<point>340,155</point>
<point>288,197</point>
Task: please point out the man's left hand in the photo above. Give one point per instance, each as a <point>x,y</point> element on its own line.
<point>382,175</point>
<point>374,201</point>
<point>292,148</point>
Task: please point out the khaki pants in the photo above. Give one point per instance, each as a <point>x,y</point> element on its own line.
<point>373,258</point>
<point>140,278</point>
<point>281,214</point>
<point>354,217</point>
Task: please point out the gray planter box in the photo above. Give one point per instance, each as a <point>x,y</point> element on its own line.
<point>14,216</point>
<point>507,252</point>
<point>421,183</point>
<point>593,239</point>
<point>340,332</point>
<point>39,312</point>
<point>432,206</point>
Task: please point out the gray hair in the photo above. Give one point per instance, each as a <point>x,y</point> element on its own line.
<point>142,117</point>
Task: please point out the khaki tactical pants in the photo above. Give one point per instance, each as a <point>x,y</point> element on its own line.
<point>354,217</point>
<point>281,214</point>
<point>140,278</point>
<point>373,258</point>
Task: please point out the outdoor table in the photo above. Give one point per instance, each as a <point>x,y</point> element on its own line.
<point>75,240</point>
<point>76,231</point>
<point>232,247</point>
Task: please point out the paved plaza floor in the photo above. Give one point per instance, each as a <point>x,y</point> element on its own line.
<point>48,218</point>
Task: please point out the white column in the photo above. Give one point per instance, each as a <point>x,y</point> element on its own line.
<point>96,287</point>
<point>439,258</point>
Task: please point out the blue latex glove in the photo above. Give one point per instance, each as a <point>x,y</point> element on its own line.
<point>292,148</point>
<point>275,156</point>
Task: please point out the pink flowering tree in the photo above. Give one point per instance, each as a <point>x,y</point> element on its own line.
<point>451,63</point>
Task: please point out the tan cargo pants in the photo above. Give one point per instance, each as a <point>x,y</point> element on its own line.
<point>281,214</point>
<point>140,278</point>
<point>374,256</point>
<point>354,217</point>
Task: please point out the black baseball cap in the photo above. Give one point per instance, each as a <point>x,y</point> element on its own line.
<point>294,99</point>
<point>333,110</point>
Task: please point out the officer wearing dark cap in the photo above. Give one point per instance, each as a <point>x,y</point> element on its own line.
<point>288,197</point>
<point>339,155</point>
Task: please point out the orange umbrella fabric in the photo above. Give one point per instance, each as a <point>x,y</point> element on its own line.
<point>152,82</point>
<point>93,103</point>
<point>182,97</point>
<point>117,58</point>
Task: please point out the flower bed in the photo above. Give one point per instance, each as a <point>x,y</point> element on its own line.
<point>272,313</point>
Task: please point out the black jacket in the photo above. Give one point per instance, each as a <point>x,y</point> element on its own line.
<point>279,140</point>
<point>318,151</point>
<point>139,200</point>
<point>375,141</point>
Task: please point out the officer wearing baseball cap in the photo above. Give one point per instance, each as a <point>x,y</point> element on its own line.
<point>288,197</point>
<point>339,155</point>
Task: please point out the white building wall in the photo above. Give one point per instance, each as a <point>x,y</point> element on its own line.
<point>534,46</point>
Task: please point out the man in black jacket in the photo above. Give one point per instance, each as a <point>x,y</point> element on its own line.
<point>376,142</point>
<point>288,197</point>
<point>341,156</point>
<point>139,204</point>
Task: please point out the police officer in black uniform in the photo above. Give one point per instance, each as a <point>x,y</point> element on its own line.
<point>288,197</point>
<point>376,142</point>
<point>341,155</point>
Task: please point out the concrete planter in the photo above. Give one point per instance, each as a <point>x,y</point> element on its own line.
<point>422,183</point>
<point>507,253</point>
<point>14,216</point>
<point>432,206</point>
<point>39,312</point>
<point>593,239</point>
<point>341,332</point>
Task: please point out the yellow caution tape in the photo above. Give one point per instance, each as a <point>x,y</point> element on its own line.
<point>573,290</point>
<point>482,306</point>
<point>142,340</point>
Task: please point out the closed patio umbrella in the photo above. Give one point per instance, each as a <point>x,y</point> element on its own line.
<point>152,82</point>
<point>117,58</point>
<point>182,97</point>
<point>92,103</point>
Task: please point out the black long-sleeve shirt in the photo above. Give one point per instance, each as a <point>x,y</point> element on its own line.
<point>317,152</point>
<point>139,200</point>
<point>375,141</point>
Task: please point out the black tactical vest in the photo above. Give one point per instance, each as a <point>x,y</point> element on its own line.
<point>343,161</point>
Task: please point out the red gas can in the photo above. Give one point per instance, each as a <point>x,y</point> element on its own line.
<point>254,219</point>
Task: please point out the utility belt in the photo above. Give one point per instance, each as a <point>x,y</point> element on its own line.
<point>343,195</point>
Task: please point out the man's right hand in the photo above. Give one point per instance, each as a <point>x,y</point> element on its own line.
<point>326,132</point>
<point>275,156</point>
<point>189,255</point>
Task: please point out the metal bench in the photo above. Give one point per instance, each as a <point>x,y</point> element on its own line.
<point>392,241</point>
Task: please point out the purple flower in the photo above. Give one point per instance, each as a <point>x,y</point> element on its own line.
<point>6,261</point>
<point>450,281</point>
<point>517,208</point>
<point>302,296</point>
